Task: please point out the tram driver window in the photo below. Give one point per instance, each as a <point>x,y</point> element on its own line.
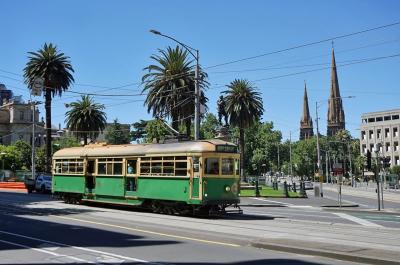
<point>131,167</point>
<point>212,166</point>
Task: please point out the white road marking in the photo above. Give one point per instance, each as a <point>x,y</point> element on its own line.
<point>283,203</point>
<point>45,251</point>
<point>80,248</point>
<point>301,206</point>
<point>357,220</point>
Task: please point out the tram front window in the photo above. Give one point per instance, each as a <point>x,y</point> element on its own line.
<point>227,166</point>
<point>212,166</point>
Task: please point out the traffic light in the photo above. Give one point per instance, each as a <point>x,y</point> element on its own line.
<point>368,160</point>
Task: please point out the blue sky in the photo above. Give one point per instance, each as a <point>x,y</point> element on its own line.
<point>109,44</point>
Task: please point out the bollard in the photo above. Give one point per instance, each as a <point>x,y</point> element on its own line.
<point>285,188</point>
<point>257,190</point>
<point>303,193</point>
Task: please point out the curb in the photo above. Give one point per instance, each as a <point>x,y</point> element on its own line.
<point>343,206</point>
<point>317,252</point>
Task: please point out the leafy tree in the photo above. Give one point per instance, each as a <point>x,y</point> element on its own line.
<point>65,142</point>
<point>139,131</point>
<point>56,70</point>
<point>86,118</point>
<point>155,129</point>
<point>170,87</point>
<point>244,107</point>
<point>208,128</point>
<point>115,134</point>
<point>395,170</point>
<point>24,156</point>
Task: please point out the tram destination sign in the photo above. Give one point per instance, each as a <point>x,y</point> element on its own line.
<point>226,148</point>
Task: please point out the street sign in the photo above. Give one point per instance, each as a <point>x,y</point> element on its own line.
<point>37,86</point>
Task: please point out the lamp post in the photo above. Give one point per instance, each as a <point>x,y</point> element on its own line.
<point>318,149</point>
<point>196,77</point>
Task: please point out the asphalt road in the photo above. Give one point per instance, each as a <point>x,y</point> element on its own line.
<point>37,230</point>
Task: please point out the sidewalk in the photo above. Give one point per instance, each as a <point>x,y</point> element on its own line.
<point>364,192</point>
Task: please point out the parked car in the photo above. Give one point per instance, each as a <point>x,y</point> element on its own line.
<point>308,185</point>
<point>43,183</point>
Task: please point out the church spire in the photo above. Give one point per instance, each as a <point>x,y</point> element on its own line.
<point>306,124</point>
<point>336,119</point>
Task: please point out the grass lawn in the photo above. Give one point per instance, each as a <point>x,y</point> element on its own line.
<point>267,192</point>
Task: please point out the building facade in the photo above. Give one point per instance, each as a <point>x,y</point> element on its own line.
<point>336,119</point>
<point>381,127</point>
<point>16,123</point>
<point>306,124</point>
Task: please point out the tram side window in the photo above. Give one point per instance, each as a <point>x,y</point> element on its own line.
<point>109,166</point>
<point>237,166</point>
<point>227,166</point>
<point>131,166</point>
<point>69,166</point>
<point>212,166</point>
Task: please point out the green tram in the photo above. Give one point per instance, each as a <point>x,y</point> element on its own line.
<point>192,177</point>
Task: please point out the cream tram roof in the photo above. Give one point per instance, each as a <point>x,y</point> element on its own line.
<point>102,150</point>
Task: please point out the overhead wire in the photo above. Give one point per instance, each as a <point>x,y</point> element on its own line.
<point>306,45</point>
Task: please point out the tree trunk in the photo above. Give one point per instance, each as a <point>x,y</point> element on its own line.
<point>48,130</point>
<point>85,136</point>
<point>188,124</point>
<point>241,143</point>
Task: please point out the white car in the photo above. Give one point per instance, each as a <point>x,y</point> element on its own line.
<point>308,185</point>
<point>43,183</point>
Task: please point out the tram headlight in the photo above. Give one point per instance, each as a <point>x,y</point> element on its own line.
<point>227,188</point>
<point>234,188</point>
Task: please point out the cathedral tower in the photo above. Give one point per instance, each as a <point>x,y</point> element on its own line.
<point>336,120</point>
<point>306,124</point>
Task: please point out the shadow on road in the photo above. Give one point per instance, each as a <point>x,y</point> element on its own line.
<point>250,262</point>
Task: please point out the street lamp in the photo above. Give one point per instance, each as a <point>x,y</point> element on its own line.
<point>197,86</point>
<point>318,149</point>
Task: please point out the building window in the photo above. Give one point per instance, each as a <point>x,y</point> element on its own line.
<point>21,115</point>
<point>387,147</point>
<point>371,148</point>
<point>395,117</point>
<point>364,121</point>
<point>371,134</point>
<point>396,146</point>
<point>396,160</point>
<point>387,133</point>
<point>363,135</point>
<point>371,120</point>
<point>364,149</point>
<point>378,132</point>
<point>387,118</point>
<point>379,119</point>
<point>395,132</point>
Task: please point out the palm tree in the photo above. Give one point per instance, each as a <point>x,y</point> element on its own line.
<point>56,70</point>
<point>170,86</point>
<point>86,118</point>
<point>244,107</point>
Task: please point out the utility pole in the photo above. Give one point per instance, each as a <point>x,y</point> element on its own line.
<point>33,139</point>
<point>377,146</point>
<point>351,168</point>
<point>326,165</point>
<point>318,152</point>
<point>290,155</point>
<point>279,162</point>
<point>197,100</point>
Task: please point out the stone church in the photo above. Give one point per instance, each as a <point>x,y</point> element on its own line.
<point>335,117</point>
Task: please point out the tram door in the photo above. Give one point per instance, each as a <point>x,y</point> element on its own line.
<point>195,179</point>
<point>90,182</point>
